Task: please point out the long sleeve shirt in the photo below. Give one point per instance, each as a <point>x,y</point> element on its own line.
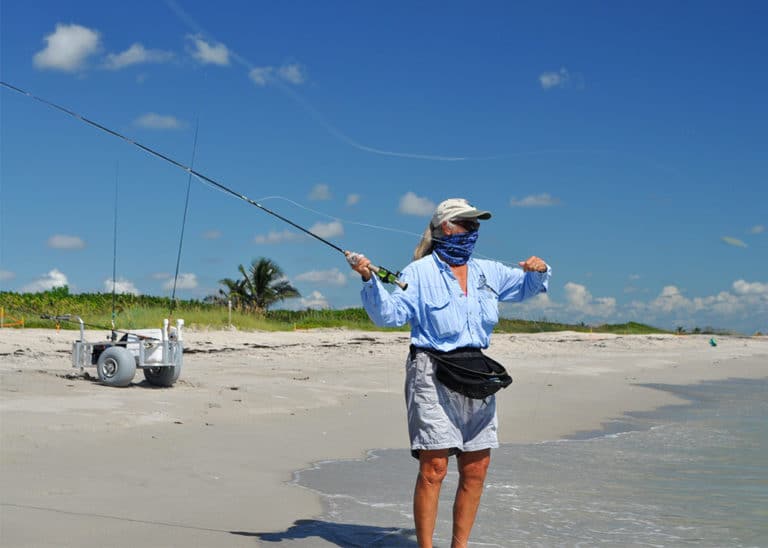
<point>441,316</point>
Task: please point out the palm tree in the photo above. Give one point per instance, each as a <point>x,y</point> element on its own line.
<point>233,292</point>
<point>261,285</point>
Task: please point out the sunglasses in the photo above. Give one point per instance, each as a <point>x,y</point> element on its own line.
<point>467,224</point>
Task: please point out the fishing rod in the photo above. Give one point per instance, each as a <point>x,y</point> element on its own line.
<point>114,254</point>
<point>384,274</point>
<point>183,223</point>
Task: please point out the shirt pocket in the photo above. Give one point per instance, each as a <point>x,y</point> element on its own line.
<point>442,316</point>
<point>489,308</point>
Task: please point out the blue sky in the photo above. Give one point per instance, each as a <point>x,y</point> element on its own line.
<point>623,142</point>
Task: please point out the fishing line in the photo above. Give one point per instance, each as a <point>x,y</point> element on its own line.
<point>318,117</point>
<point>339,219</point>
<point>377,227</point>
<point>298,99</point>
<point>383,273</point>
<point>189,22</point>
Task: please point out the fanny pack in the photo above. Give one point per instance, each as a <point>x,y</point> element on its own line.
<point>467,371</point>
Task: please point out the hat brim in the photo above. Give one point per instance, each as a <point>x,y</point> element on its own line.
<point>477,214</point>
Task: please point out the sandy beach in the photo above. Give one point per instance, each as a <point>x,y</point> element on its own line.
<point>209,461</point>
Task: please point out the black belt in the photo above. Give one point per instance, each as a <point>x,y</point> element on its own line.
<point>460,350</point>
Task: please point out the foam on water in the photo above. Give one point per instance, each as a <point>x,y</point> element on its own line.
<point>695,474</point>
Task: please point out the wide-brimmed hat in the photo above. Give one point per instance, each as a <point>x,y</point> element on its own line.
<point>457,208</point>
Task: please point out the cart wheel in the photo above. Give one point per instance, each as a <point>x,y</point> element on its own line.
<point>162,376</point>
<point>116,366</point>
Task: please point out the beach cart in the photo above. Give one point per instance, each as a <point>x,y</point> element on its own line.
<point>159,352</point>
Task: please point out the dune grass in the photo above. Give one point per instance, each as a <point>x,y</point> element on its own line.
<point>135,312</point>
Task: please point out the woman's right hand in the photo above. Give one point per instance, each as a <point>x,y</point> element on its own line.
<point>359,264</point>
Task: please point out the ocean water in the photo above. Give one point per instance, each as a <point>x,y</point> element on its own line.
<point>685,475</point>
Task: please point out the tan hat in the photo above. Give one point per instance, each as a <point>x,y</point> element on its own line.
<point>457,208</point>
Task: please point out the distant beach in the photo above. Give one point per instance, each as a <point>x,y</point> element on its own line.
<point>211,461</point>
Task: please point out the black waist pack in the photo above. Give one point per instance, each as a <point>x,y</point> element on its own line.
<point>468,371</point>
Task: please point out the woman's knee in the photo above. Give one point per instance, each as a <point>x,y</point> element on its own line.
<point>433,468</point>
<point>474,466</point>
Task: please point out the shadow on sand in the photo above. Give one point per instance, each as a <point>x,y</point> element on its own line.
<point>341,534</point>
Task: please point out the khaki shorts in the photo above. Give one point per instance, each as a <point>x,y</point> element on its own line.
<point>439,418</point>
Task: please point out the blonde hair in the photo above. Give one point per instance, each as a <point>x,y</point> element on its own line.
<point>427,242</point>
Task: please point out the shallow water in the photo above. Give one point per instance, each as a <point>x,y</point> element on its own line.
<point>689,475</point>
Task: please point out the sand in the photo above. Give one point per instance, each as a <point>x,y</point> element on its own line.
<point>209,462</point>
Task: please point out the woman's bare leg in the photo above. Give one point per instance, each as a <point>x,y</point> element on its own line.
<point>433,465</point>
<point>473,466</point>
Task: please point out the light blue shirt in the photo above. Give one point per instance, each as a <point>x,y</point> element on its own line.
<point>441,315</point>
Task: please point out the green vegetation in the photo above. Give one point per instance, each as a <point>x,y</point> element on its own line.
<point>138,311</point>
<point>525,326</point>
<point>260,286</point>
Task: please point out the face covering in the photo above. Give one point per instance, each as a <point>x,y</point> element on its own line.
<point>456,249</point>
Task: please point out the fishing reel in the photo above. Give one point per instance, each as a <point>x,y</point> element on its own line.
<point>388,276</point>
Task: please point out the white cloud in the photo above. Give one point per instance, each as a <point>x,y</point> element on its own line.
<point>559,79</point>
<point>353,199</point>
<point>212,234</point>
<point>744,307</point>
<point>757,229</point>
<point>603,306</point>
<point>325,277</point>
<point>670,299</point>
<point>537,304</point>
<point>733,241</point>
<point>6,275</point>
<point>576,294</point>
<point>184,281</point>
<point>121,286</point>
<point>314,300</point>
<point>580,300</point>
<point>327,230</point>
<point>152,120</point>
<point>320,192</point>
<point>292,73</point>
<point>747,301</point>
<point>54,278</point>
<point>260,75</point>
<point>276,237</point>
<point>722,304</point>
<point>535,200</point>
<point>741,287</point>
<point>411,204</point>
<point>209,54</point>
<point>62,241</point>
<point>160,276</point>
<point>69,46</point>
<point>135,55</point>
<point>579,305</point>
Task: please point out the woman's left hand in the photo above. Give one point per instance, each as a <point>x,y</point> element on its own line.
<point>533,264</point>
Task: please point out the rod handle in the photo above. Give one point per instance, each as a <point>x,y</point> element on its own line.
<point>387,276</point>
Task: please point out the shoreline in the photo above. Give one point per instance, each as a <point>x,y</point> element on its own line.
<point>199,463</point>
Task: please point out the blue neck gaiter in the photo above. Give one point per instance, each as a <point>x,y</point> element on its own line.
<point>456,248</point>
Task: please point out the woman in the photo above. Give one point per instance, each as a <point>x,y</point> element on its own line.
<point>451,302</point>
